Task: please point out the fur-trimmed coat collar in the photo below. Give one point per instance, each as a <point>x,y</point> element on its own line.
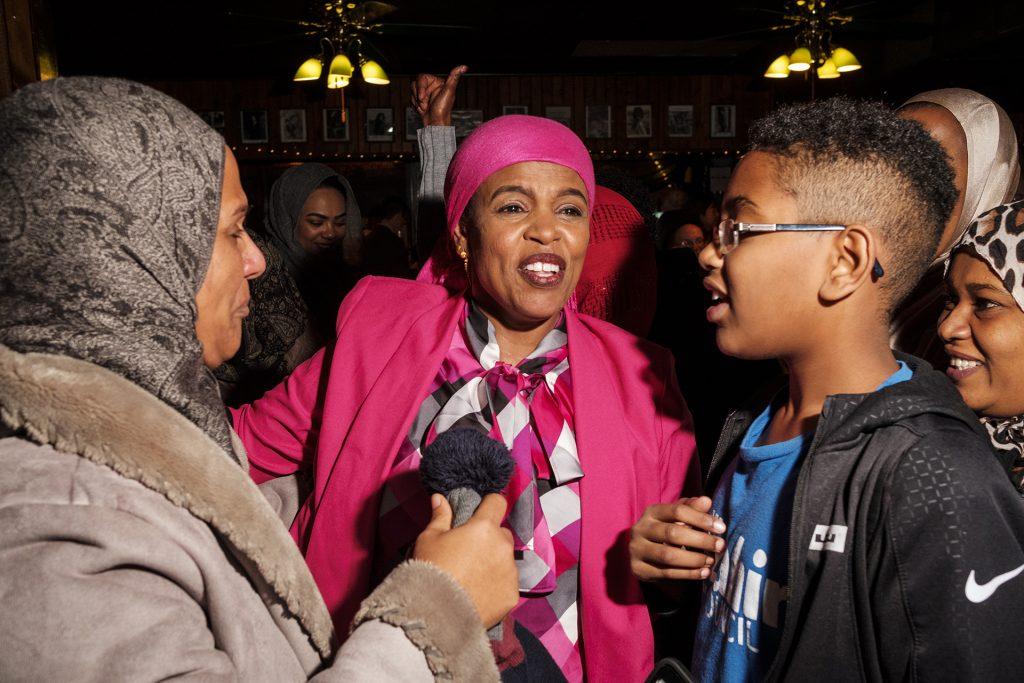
<point>83,409</point>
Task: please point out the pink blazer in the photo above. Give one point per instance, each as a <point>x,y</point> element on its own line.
<point>346,410</point>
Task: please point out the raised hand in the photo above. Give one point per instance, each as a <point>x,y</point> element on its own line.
<point>433,97</point>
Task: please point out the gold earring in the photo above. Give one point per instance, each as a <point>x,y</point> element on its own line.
<point>465,260</point>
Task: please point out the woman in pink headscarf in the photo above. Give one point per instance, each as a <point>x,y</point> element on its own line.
<point>591,414</point>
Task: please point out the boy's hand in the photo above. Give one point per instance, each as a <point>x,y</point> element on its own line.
<point>477,554</point>
<point>671,541</point>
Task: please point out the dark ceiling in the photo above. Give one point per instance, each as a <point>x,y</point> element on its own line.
<point>904,45</point>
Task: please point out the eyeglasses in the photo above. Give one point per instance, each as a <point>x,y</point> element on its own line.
<point>729,233</point>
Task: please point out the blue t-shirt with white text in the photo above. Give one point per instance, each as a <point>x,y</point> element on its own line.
<point>744,604</point>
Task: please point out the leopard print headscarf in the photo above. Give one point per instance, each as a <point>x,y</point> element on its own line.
<point>997,238</point>
<point>109,203</point>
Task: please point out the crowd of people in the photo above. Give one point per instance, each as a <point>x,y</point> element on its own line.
<point>775,436</point>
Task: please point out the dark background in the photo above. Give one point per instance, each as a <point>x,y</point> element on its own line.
<point>905,45</point>
<point>233,55</point>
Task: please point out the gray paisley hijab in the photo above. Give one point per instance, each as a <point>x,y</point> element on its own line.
<point>997,238</point>
<point>109,203</point>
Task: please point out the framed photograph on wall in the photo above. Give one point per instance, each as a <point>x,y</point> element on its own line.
<point>335,130</point>
<point>638,121</point>
<point>514,109</point>
<point>215,119</point>
<point>680,120</point>
<point>599,121</point>
<point>466,121</point>
<point>293,125</point>
<point>723,120</point>
<point>559,113</point>
<point>380,124</point>
<point>254,125</point>
<point>413,122</point>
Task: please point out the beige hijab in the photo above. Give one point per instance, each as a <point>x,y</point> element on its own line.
<point>992,167</point>
<point>992,175</point>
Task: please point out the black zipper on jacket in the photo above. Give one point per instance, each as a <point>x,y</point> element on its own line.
<point>802,479</point>
<point>724,445</point>
<point>717,456</point>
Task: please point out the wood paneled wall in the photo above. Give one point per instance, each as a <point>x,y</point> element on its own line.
<point>26,53</point>
<point>488,93</point>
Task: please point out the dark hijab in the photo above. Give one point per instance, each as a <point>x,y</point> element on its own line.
<point>284,206</point>
<point>295,303</point>
<point>109,203</point>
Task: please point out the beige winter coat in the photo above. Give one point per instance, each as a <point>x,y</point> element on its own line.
<point>131,548</point>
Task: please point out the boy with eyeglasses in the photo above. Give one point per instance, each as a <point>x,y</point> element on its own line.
<point>860,528</point>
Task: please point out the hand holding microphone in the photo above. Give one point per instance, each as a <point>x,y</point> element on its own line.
<point>465,537</point>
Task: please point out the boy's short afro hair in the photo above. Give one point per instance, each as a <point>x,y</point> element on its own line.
<point>848,161</point>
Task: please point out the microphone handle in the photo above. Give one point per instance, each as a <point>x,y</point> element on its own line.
<point>464,502</point>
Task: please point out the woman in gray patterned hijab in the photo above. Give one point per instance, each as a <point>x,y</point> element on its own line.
<point>131,546</point>
<point>110,196</point>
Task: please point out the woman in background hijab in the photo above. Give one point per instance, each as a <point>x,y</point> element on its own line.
<point>311,223</point>
<point>983,329</point>
<point>979,139</point>
<point>591,414</point>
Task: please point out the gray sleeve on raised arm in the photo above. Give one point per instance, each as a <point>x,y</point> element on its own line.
<point>437,147</point>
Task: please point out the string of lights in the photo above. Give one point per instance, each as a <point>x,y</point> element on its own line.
<point>285,153</point>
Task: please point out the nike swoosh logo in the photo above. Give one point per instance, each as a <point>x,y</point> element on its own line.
<point>976,592</point>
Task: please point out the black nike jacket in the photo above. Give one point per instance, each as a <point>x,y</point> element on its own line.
<point>906,557</point>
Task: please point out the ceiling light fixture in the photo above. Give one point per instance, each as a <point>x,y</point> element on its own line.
<point>309,70</point>
<point>341,32</point>
<point>844,60</point>
<point>800,60</point>
<point>828,70</point>
<point>814,23</point>
<point>373,73</point>
<point>341,66</point>
<point>779,68</point>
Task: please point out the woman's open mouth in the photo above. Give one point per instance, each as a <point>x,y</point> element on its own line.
<point>543,270</point>
<point>961,368</point>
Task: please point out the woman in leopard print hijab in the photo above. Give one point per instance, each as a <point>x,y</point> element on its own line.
<point>983,328</point>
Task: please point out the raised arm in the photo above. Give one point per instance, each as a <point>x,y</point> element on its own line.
<point>433,98</point>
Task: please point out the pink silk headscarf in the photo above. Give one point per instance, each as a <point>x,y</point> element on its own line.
<point>495,145</point>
